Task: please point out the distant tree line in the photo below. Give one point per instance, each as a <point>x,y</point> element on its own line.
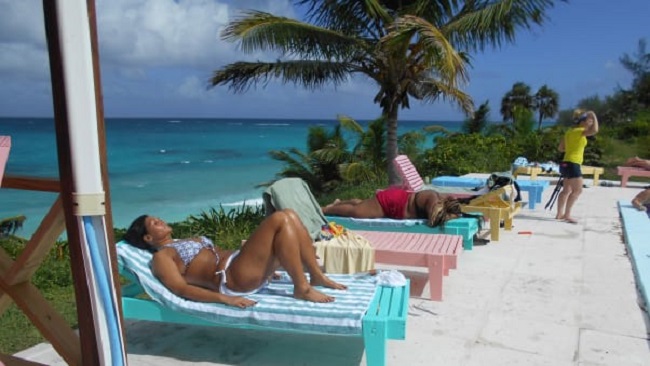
<point>481,146</point>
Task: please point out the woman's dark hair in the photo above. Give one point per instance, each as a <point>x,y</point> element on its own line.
<point>449,208</point>
<point>136,232</point>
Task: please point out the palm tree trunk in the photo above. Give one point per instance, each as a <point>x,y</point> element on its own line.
<point>539,123</point>
<point>390,113</point>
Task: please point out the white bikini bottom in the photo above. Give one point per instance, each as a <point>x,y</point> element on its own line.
<point>222,286</point>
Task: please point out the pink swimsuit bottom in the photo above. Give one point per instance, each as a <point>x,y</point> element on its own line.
<point>393,202</point>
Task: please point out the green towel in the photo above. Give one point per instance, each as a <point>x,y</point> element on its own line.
<point>294,193</point>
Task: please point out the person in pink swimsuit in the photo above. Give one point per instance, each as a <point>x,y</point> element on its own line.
<point>398,203</point>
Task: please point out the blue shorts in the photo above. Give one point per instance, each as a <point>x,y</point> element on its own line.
<point>570,170</point>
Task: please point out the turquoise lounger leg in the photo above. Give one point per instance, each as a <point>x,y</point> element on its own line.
<point>385,319</point>
<point>374,339</point>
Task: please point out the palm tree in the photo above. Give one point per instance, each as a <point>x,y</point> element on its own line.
<point>319,170</point>
<point>10,225</point>
<point>639,66</point>
<point>410,48</point>
<point>477,123</point>
<point>518,96</point>
<point>548,104</point>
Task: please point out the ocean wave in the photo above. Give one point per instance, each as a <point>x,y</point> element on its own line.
<point>250,202</point>
<point>174,121</point>
<point>185,161</point>
<point>273,124</point>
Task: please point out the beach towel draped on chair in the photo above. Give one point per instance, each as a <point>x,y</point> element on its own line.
<point>294,193</point>
<point>348,253</point>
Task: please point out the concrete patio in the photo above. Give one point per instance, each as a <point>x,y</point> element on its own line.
<point>562,295</point>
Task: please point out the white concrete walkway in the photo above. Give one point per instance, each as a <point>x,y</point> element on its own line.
<point>563,295</point>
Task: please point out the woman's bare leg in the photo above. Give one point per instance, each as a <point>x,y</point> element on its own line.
<point>308,253</point>
<point>562,198</point>
<point>276,237</point>
<point>638,162</point>
<point>576,189</point>
<point>363,209</point>
<point>640,200</point>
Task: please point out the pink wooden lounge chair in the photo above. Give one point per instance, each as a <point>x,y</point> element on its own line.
<point>5,145</point>
<point>628,171</point>
<point>437,252</point>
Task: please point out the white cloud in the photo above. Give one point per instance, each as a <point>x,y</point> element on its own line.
<point>23,60</point>
<point>22,22</point>
<point>161,32</point>
<point>193,88</point>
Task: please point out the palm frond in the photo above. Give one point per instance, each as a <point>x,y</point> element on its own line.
<point>365,18</point>
<point>260,31</point>
<point>349,124</point>
<point>436,129</point>
<point>356,172</point>
<point>430,90</point>
<point>310,74</point>
<point>331,155</point>
<point>432,48</point>
<point>299,162</point>
<point>479,24</point>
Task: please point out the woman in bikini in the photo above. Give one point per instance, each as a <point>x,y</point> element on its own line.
<point>398,203</point>
<point>195,269</point>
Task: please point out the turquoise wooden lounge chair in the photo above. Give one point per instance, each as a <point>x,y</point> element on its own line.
<point>366,310</point>
<point>636,230</point>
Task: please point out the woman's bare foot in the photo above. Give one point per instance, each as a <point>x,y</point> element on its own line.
<point>336,202</point>
<point>312,295</point>
<point>559,217</point>
<point>570,220</point>
<point>637,204</point>
<point>326,282</point>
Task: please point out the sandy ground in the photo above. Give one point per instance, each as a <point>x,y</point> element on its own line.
<point>563,295</point>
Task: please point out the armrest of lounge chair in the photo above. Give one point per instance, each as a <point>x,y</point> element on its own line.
<point>5,146</point>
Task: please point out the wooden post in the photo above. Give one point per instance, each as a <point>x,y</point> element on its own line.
<point>87,333</point>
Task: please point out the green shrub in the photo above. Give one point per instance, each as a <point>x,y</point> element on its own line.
<point>461,154</point>
<point>226,229</point>
<point>54,280</point>
<point>348,191</point>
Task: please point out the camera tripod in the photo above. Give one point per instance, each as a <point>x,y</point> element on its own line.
<point>556,192</point>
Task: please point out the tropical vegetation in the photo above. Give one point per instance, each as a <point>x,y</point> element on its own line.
<point>352,167</point>
<point>411,49</point>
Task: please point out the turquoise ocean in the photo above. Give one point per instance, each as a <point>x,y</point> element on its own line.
<point>168,167</point>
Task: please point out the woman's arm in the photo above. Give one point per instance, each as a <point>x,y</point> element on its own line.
<point>592,129</point>
<point>561,146</point>
<point>166,270</point>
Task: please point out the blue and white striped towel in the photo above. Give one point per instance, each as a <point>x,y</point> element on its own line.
<point>387,222</point>
<point>275,309</point>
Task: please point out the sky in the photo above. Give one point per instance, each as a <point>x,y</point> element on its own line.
<point>156,57</point>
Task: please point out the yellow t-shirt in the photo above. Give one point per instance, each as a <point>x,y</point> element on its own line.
<point>574,145</point>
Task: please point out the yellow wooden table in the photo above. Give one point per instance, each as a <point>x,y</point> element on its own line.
<point>534,171</point>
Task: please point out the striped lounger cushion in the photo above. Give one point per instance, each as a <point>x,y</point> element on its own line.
<point>275,308</point>
<point>385,222</point>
